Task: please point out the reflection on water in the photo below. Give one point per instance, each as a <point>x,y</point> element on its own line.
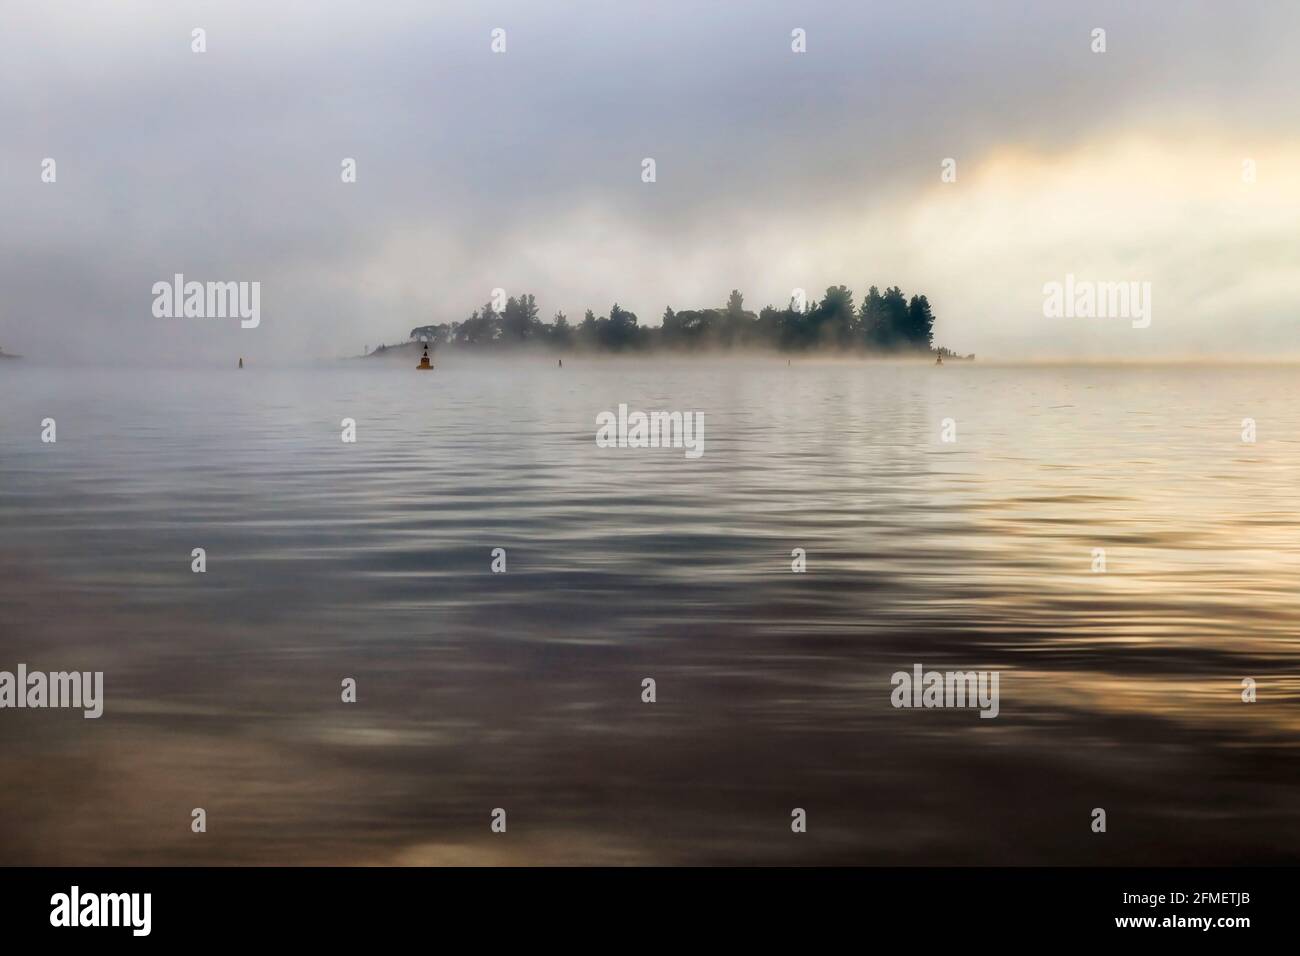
<point>522,690</point>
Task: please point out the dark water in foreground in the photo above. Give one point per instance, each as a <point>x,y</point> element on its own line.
<point>522,690</point>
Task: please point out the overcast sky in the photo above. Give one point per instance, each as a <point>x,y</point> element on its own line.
<point>522,170</point>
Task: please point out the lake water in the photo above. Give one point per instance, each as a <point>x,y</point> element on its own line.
<point>522,690</point>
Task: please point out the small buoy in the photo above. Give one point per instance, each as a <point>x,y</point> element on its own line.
<point>241,361</point>
<point>424,365</point>
<point>561,363</point>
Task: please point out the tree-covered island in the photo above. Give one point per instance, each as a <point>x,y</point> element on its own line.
<point>886,323</point>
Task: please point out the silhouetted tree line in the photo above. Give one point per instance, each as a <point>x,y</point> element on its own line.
<point>884,322</point>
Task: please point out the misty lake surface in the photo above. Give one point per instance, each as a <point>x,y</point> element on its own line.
<point>522,690</point>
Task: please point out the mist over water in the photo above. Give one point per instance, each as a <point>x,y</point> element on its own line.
<point>521,690</point>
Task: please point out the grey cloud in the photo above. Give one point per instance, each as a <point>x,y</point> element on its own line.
<point>508,168</point>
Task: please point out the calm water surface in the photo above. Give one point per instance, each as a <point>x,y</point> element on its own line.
<point>522,690</point>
